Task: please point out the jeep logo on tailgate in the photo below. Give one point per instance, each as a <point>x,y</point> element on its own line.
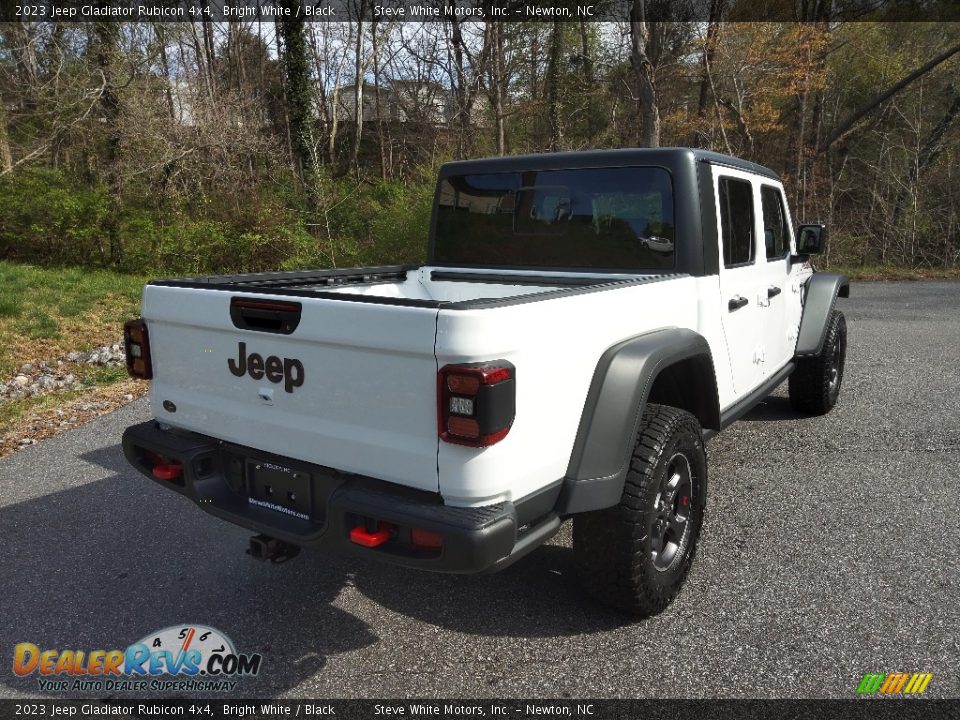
<point>288,369</point>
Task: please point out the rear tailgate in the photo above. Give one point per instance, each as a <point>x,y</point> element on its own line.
<point>354,385</point>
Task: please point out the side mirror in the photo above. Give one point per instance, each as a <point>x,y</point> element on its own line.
<point>811,239</point>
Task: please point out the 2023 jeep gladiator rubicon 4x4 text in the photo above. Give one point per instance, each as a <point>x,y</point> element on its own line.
<point>586,321</point>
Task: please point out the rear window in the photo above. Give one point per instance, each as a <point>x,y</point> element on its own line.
<point>610,218</point>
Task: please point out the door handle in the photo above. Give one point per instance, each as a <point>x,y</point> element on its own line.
<point>272,316</point>
<point>773,291</point>
<point>737,302</point>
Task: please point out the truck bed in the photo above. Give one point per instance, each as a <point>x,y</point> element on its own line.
<point>339,368</point>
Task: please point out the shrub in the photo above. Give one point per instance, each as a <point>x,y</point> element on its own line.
<point>44,218</point>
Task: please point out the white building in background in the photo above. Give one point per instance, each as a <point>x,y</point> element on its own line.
<point>404,101</point>
<point>181,97</point>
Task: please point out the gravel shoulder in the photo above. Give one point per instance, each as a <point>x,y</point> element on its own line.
<point>44,398</point>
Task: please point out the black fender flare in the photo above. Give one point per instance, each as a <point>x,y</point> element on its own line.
<point>614,405</point>
<point>820,295</point>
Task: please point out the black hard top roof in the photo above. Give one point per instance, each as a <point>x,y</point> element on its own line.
<point>666,157</point>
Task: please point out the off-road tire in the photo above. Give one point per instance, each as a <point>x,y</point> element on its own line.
<point>815,383</point>
<point>614,549</point>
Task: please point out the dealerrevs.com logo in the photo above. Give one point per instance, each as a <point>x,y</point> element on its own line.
<point>177,658</point>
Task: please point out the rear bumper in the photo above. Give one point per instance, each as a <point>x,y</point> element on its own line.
<point>216,474</point>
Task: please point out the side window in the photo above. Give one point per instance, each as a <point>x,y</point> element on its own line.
<point>736,220</point>
<point>776,237</point>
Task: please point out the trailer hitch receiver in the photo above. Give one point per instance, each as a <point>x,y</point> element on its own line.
<point>266,548</point>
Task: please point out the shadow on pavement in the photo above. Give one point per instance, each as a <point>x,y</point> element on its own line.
<point>101,565</point>
<point>772,409</point>
<point>536,597</point>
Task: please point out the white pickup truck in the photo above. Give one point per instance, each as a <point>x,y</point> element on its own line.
<point>585,322</point>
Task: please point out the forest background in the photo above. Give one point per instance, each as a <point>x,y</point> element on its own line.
<point>205,146</point>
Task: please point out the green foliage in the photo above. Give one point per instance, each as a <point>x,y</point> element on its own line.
<point>49,220</point>
<point>46,218</point>
<point>189,167</point>
<point>385,223</point>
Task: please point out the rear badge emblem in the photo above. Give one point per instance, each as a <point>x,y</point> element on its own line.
<point>169,406</point>
<point>289,371</point>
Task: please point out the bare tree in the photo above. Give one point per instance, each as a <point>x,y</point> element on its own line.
<point>358,72</point>
<point>497,83</point>
<point>331,46</point>
<point>6,157</point>
<point>553,86</point>
<point>466,77</point>
<point>709,50</point>
<point>107,39</point>
<point>845,125</point>
<point>642,38</point>
<point>928,152</point>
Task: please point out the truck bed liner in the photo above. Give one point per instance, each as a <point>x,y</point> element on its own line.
<point>414,286</point>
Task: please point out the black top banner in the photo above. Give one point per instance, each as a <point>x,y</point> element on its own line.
<point>478,10</point>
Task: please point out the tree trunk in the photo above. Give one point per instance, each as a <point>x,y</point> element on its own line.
<point>587,69</point>
<point>847,123</point>
<point>461,91</point>
<point>553,87</point>
<point>323,101</point>
<point>334,126</point>
<point>165,66</point>
<point>641,36</point>
<point>107,38</point>
<point>381,140</point>
<point>357,95</point>
<point>6,157</point>
<point>299,99</point>
<point>709,50</point>
<point>498,81</point>
<point>931,148</point>
<point>799,137</point>
<point>208,48</point>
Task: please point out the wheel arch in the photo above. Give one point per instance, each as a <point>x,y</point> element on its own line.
<point>820,296</point>
<point>674,367</point>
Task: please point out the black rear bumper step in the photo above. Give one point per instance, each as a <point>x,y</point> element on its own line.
<point>216,476</point>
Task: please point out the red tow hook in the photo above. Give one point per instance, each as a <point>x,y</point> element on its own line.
<point>361,536</point>
<point>167,471</point>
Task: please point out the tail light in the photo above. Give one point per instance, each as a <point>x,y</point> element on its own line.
<point>476,403</point>
<point>137,345</point>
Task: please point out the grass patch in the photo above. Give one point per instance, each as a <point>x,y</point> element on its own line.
<point>9,306</point>
<point>45,312</point>
<point>103,374</point>
<point>13,411</point>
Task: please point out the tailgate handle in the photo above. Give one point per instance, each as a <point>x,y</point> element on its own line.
<point>272,316</point>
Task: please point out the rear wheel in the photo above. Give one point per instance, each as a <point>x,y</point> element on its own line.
<point>815,383</point>
<point>636,555</point>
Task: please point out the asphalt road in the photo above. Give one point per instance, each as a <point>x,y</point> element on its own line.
<point>830,550</point>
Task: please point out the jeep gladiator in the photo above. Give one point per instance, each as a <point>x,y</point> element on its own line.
<point>584,324</point>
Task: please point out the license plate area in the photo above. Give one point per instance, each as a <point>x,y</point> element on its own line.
<point>279,488</point>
